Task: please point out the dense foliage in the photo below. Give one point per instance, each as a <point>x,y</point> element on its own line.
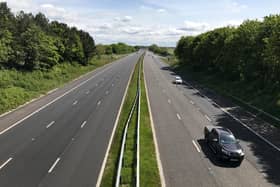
<point>159,50</point>
<point>119,48</point>
<point>29,42</point>
<point>250,52</point>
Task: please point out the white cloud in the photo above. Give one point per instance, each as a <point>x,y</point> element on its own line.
<point>126,19</point>
<point>53,12</point>
<point>161,10</point>
<point>234,6</point>
<point>18,5</point>
<point>194,26</point>
<point>151,9</point>
<point>146,27</point>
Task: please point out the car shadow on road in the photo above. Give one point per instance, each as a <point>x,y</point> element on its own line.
<point>267,157</point>
<point>209,154</point>
<point>166,68</point>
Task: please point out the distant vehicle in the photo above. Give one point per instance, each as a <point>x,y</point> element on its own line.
<point>178,80</point>
<point>223,143</point>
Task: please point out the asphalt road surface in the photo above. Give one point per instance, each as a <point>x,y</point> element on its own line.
<point>180,113</point>
<point>63,140</point>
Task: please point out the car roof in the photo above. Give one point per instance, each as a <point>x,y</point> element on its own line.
<point>223,130</point>
<point>178,77</point>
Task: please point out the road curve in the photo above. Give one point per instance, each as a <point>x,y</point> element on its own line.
<point>180,114</point>
<point>63,140</point>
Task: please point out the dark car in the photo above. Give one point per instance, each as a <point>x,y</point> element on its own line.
<point>223,143</point>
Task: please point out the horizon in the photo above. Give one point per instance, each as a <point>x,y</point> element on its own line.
<point>130,22</point>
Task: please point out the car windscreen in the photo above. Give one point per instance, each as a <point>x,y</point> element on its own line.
<point>227,139</point>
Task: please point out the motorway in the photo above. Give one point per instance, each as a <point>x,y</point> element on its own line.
<point>61,139</point>
<point>180,113</point>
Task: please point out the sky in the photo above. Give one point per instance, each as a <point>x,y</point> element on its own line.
<point>145,22</point>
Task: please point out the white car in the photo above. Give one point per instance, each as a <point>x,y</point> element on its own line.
<point>178,80</point>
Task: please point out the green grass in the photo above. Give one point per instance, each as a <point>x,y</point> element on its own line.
<point>171,60</point>
<point>112,160</point>
<point>18,87</point>
<point>149,173</point>
<point>241,93</point>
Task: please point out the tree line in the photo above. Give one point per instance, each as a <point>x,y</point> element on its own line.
<point>250,52</point>
<point>32,42</point>
<point>119,48</point>
<point>159,50</point>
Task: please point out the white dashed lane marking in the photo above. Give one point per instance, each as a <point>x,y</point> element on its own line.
<point>5,163</point>
<point>178,116</point>
<point>196,146</point>
<point>50,124</point>
<point>207,118</point>
<point>54,164</point>
<point>83,124</point>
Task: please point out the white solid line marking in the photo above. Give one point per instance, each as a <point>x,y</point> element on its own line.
<point>83,124</point>
<point>75,102</point>
<point>178,116</point>
<point>191,102</point>
<point>207,118</point>
<point>5,163</point>
<point>162,179</point>
<point>59,97</point>
<point>99,102</point>
<point>244,125</point>
<point>169,101</point>
<point>50,124</point>
<point>54,164</point>
<point>112,134</point>
<point>196,146</point>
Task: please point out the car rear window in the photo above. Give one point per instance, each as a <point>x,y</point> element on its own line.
<point>227,139</point>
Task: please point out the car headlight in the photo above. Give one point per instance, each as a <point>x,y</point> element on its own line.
<point>225,152</point>
<point>241,152</point>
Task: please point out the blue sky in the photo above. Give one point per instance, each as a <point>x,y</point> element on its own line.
<point>144,22</point>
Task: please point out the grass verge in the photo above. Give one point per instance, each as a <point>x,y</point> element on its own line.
<point>16,87</point>
<point>110,171</point>
<point>244,94</point>
<point>149,173</point>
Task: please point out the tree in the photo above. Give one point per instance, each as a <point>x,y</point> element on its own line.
<point>40,49</point>
<point>42,21</point>
<point>88,45</point>
<point>6,50</point>
<point>73,47</point>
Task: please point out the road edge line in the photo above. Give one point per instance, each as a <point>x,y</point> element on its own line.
<point>101,172</point>
<point>52,91</point>
<point>238,120</point>
<point>161,173</point>
<point>99,69</point>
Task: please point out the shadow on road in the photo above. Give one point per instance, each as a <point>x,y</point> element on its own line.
<point>166,68</point>
<point>268,158</point>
